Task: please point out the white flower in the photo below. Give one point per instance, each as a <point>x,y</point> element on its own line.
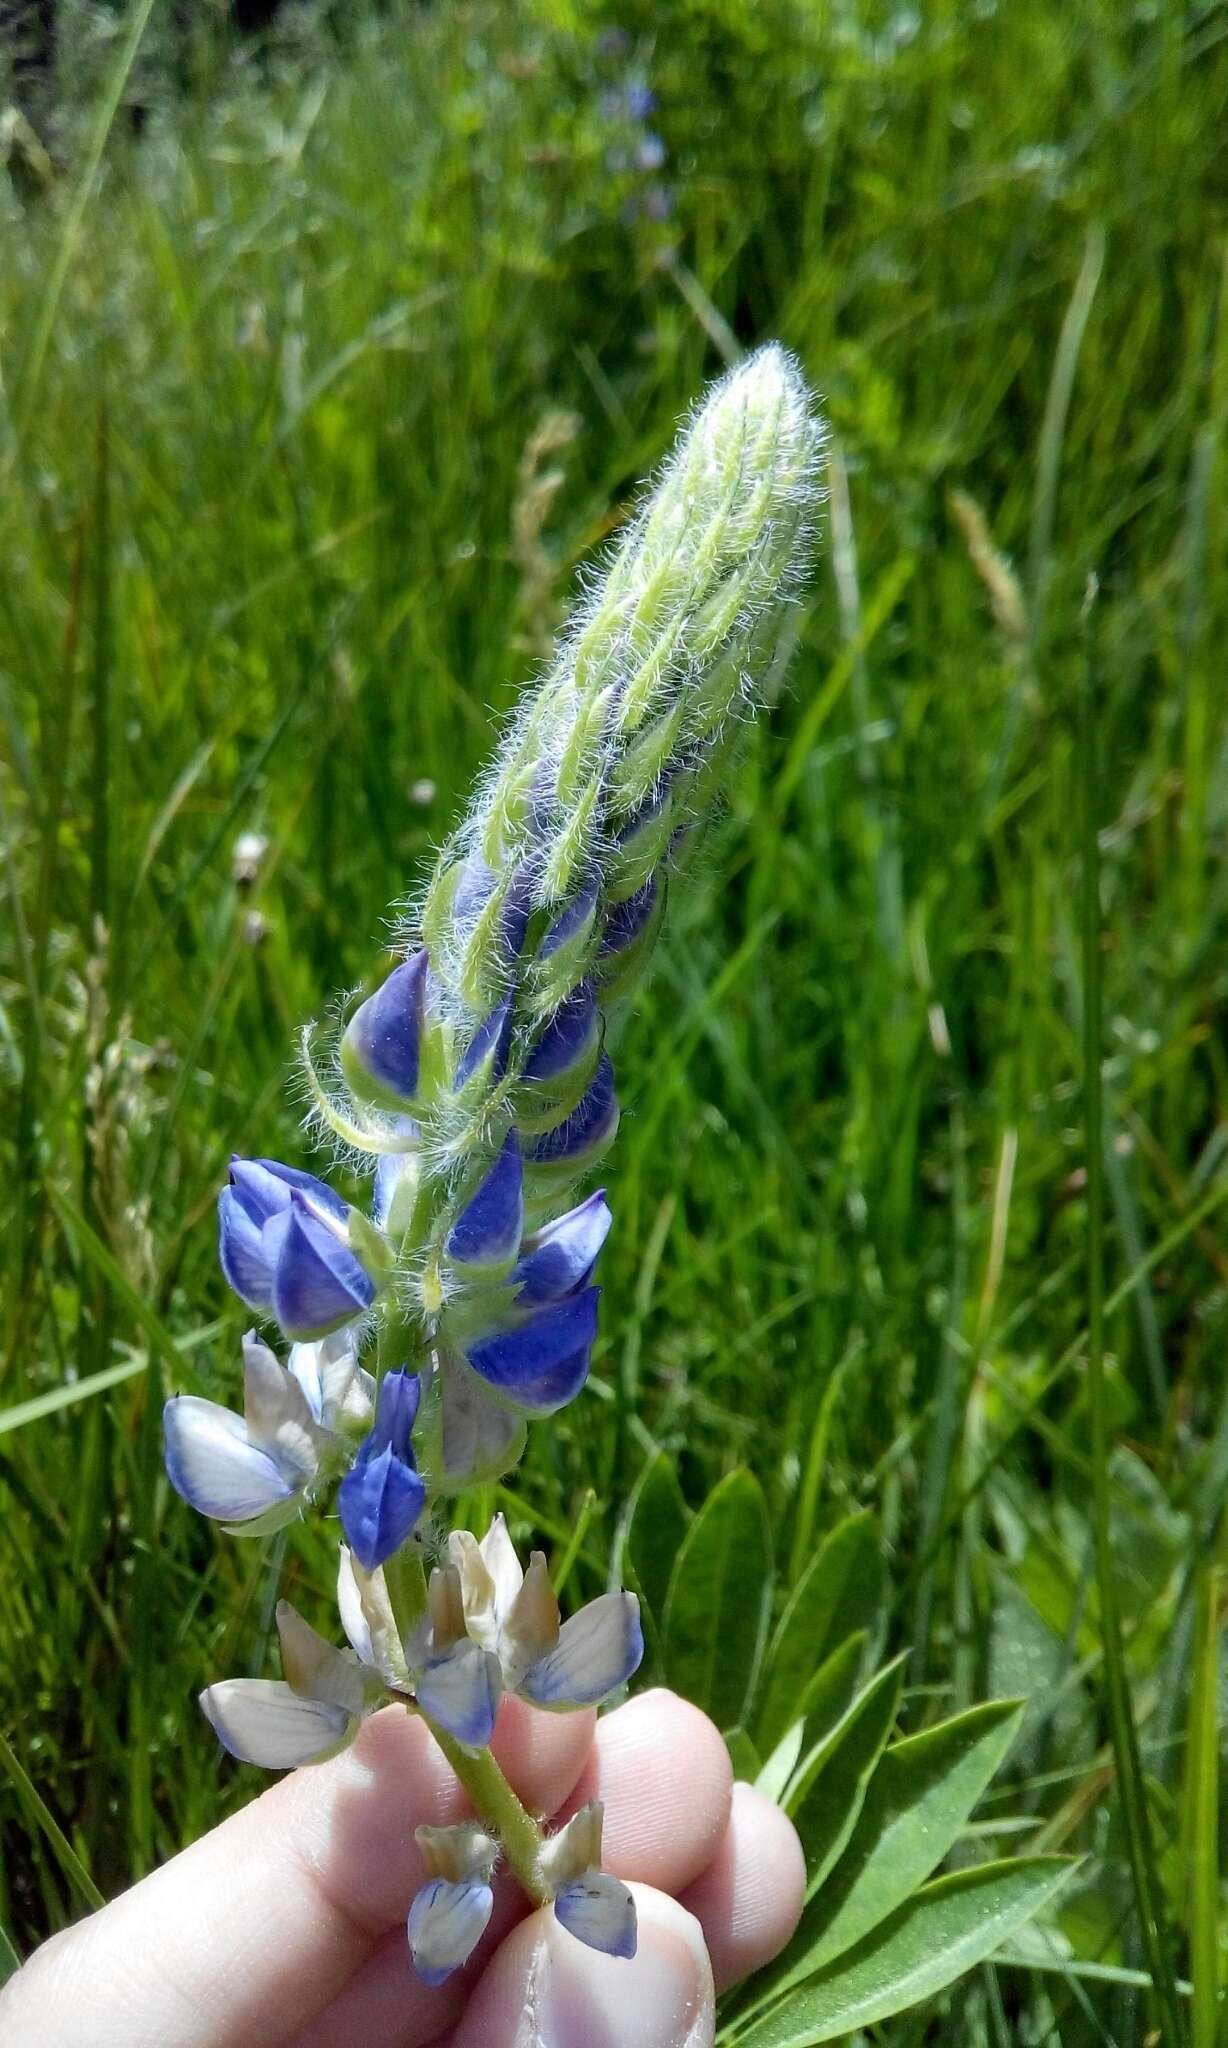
<point>307,1717</point>
<point>253,1471</point>
<point>454,1680</point>
<point>514,1614</point>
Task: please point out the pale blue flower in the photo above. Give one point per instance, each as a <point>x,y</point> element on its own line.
<point>588,1902</point>
<point>514,1615</point>
<point>450,1914</point>
<point>310,1715</point>
<point>255,1471</point>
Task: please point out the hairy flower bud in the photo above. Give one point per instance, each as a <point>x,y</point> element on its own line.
<point>578,814</point>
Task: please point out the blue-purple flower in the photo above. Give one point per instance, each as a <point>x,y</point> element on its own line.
<point>284,1239</point>
<point>254,1471</point>
<point>485,1237</point>
<point>382,1494</point>
<point>527,1336</point>
<point>381,1051</point>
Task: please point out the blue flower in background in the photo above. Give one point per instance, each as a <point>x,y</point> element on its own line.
<point>283,1241</point>
<point>382,1494</point>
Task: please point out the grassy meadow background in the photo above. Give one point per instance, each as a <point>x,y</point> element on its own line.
<point>326,360</point>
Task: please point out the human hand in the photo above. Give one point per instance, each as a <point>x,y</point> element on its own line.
<point>285,1927</point>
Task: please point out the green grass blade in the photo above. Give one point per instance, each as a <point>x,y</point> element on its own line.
<point>40,335</point>
<point>40,1815</point>
<point>1131,1787</point>
<point>1202,1805</point>
<point>67,1396</point>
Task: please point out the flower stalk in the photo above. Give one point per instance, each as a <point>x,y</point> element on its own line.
<point>474,1085</point>
<point>520,1837</point>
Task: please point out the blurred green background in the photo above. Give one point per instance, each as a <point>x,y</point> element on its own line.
<point>327,357</point>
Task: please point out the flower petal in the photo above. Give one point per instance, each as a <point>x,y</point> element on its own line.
<point>315,1669</point>
<point>446,1923</point>
<point>383,1036</point>
<point>597,1651</point>
<point>626,920</point>
<point>460,1853</point>
<point>531,1628</point>
<point>264,1187</point>
<point>559,1258</point>
<point>477,1588</point>
<point>572,924</point>
<point>212,1463</point>
<point>278,1414</point>
<point>587,1130</point>
<point>575,1849</point>
<point>317,1281</point>
<point>487,1232</point>
<point>241,1252</point>
<point>600,1912</point>
<point>491,1043</point>
<point>482,1436</point>
<point>567,1039</point>
<point>391,1170</point>
<point>353,1609</point>
<point>261,1721</point>
<point>379,1501</point>
<point>334,1384</point>
<point>543,1362</point>
<point>396,1411</point>
<point>498,1554</point>
<point>369,1622</point>
<point>462,1691</point>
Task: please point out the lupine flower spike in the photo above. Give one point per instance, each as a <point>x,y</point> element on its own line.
<point>478,1089</point>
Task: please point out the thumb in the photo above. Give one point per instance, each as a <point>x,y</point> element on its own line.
<point>545,1989</point>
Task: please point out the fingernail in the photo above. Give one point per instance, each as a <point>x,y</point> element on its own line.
<point>545,1989</point>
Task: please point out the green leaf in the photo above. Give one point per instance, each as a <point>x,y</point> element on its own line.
<point>827,1795</point>
<point>839,1592</point>
<point>743,1756</point>
<point>655,1531</point>
<point>826,1701</point>
<point>944,1930</point>
<point>720,1598</point>
<point>918,1800</point>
